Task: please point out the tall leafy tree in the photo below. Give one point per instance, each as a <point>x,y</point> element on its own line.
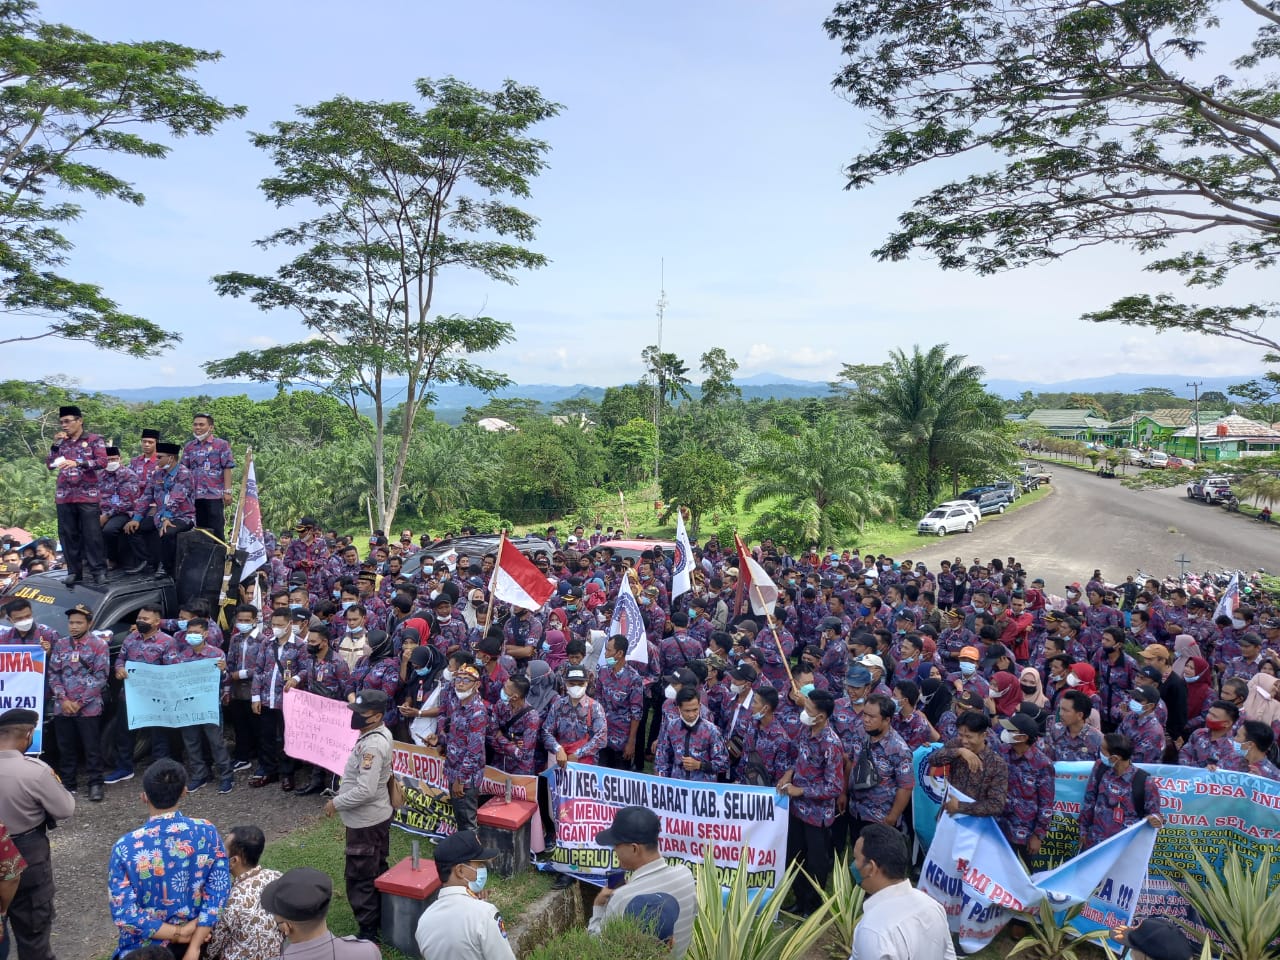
<point>1102,123</point>
<point>397,195</point>
<point>936,418</point>
<point>718,369</point>
<point>69,103</point>
<point>827,475</point>
<point>700,481</point>
<point>668,372</point>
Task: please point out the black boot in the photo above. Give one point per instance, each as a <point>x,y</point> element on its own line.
<point>136,568</point>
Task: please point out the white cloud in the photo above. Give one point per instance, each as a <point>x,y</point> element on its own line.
<point>262,342</point>
<point>809,357</point>
<point>758,355</point>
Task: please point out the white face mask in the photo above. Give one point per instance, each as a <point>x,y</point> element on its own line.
<point>1073,680</point>
<point>576,692</point>
<point>200,436</point>
<point>113,466</point>
<point>280,632</point>
<point>24,625</point>
<point>669,692</point>
<point>1009,737</point>
<point>444,620</point>
<point>737,688</point>
<point>465,695</point>
<point>808,719</point>
<point>1237,623</point>
<point>448,674</point>
<point>690,723</point>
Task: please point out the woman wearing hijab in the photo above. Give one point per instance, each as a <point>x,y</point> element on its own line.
<point>1082,677</point>
<point>474,610</point>
<point>1005,696</point>
<point>1184,648</point>
<point>1199,691</point>
<point>1032,688</point>
<point>379,669</point>
<point>935,701</point>
<point>542,686</point>
<point>554,639</point>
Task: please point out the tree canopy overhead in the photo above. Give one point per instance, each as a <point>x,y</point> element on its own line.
<point>398,194</point>
<point>68,102</point>
<point>1102,124</point>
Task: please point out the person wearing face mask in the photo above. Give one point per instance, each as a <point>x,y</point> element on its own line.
<point>1255,739</point>
<point>210,461</point>
<point>364,804</point>
<point>323,673</point>
<point>306,556</point>
<point>514,730</point>
<point>194,738</point>
<point>814,783</point>
<point>767,745</point>
<point>1117,794</point>
<point>461,924</point>
<point>450,631</point>
<point>77,674</point>
<point>1028,809</point>
<point>169,878</point>
<point>424,677</point>
<point>378,669</point>
<point>144,644</point>
<point>278,660</point>
<point>692,749</point>
<point>620,690</point>
<point>163,510</point>
<point>1116,672</point>
<point>243,644</point>
<point>245,929</point>
<point>23,630</point>
<point>342,568</point>
<point>967,679</point>
<point>488,660</point>
<point>898,921</point>
<point>353,640</point>
<point>119,487</point>
<point>464,743</point>
<point>299,904</point>
<point>1142,727</point>
<point>885,758</point>
<point>1214,747</point>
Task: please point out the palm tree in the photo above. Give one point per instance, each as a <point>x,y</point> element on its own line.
<point>668,371</point>
<point>828,474</point>
<point>934,415</point>
<point>26,495</point>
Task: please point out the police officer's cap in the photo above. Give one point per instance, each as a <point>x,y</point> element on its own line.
<point>461,847</point>
<point>369,701</point>
<point>82,609</point>
<point>19,718</point>
<point>301,894</point>
<point>1160,939</point>
<point>631,825</point>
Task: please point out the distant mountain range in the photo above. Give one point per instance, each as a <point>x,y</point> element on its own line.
<point>451,397</point>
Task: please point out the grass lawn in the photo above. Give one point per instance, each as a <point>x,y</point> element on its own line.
<point>320,845</point>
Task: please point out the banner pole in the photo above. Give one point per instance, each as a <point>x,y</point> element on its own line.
<point>235,539</point>
<point>772,620</point>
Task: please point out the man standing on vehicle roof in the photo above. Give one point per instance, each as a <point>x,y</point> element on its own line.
<point>79,459</point>
<point>210,461</point>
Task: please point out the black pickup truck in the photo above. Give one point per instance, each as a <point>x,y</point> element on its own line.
<point>115,604</point>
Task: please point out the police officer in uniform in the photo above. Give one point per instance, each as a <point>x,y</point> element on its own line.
<point>460,925</point>
<point>364,804</point>
<point>31,801</point>
<point>299,902</point>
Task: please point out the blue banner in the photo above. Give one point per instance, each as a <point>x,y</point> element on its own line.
<point>1215,813</point>
<point>173,695</point>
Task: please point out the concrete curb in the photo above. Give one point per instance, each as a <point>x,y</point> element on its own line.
<point>548,916</point>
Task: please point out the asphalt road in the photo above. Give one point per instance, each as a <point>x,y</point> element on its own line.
<point>1089,523</point>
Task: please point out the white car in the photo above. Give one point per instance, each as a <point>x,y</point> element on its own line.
<point>969,505</point>
<point>946,520</point>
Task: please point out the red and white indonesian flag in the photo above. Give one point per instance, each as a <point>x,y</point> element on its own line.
<point>682,562</point>
<point>760,590</point>
<point>249,538</point>
<point>517,581</point>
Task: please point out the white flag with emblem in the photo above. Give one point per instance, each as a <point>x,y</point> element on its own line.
<point>682,562</point>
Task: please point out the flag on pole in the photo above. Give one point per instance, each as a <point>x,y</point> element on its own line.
<point>1230,599</point>
<point>681,561</point>
<point>760,590</point>
<point>517,581</point>
<point>250,538</point>
<point>628,622</point>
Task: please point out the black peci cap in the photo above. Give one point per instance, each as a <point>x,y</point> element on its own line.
<point>150,434</point>
<point>170,448</point>
<point>301,894</point>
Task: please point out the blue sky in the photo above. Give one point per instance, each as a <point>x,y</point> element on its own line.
<point>703,134</point>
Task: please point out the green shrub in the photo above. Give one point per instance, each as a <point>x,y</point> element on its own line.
<point>622,938</point>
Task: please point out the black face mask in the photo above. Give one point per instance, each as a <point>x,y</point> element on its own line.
<point>313,649</point>
<point>145,628</point>
<point>359,722</point>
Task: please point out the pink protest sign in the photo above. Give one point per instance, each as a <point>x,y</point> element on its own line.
<point>318,730</point>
